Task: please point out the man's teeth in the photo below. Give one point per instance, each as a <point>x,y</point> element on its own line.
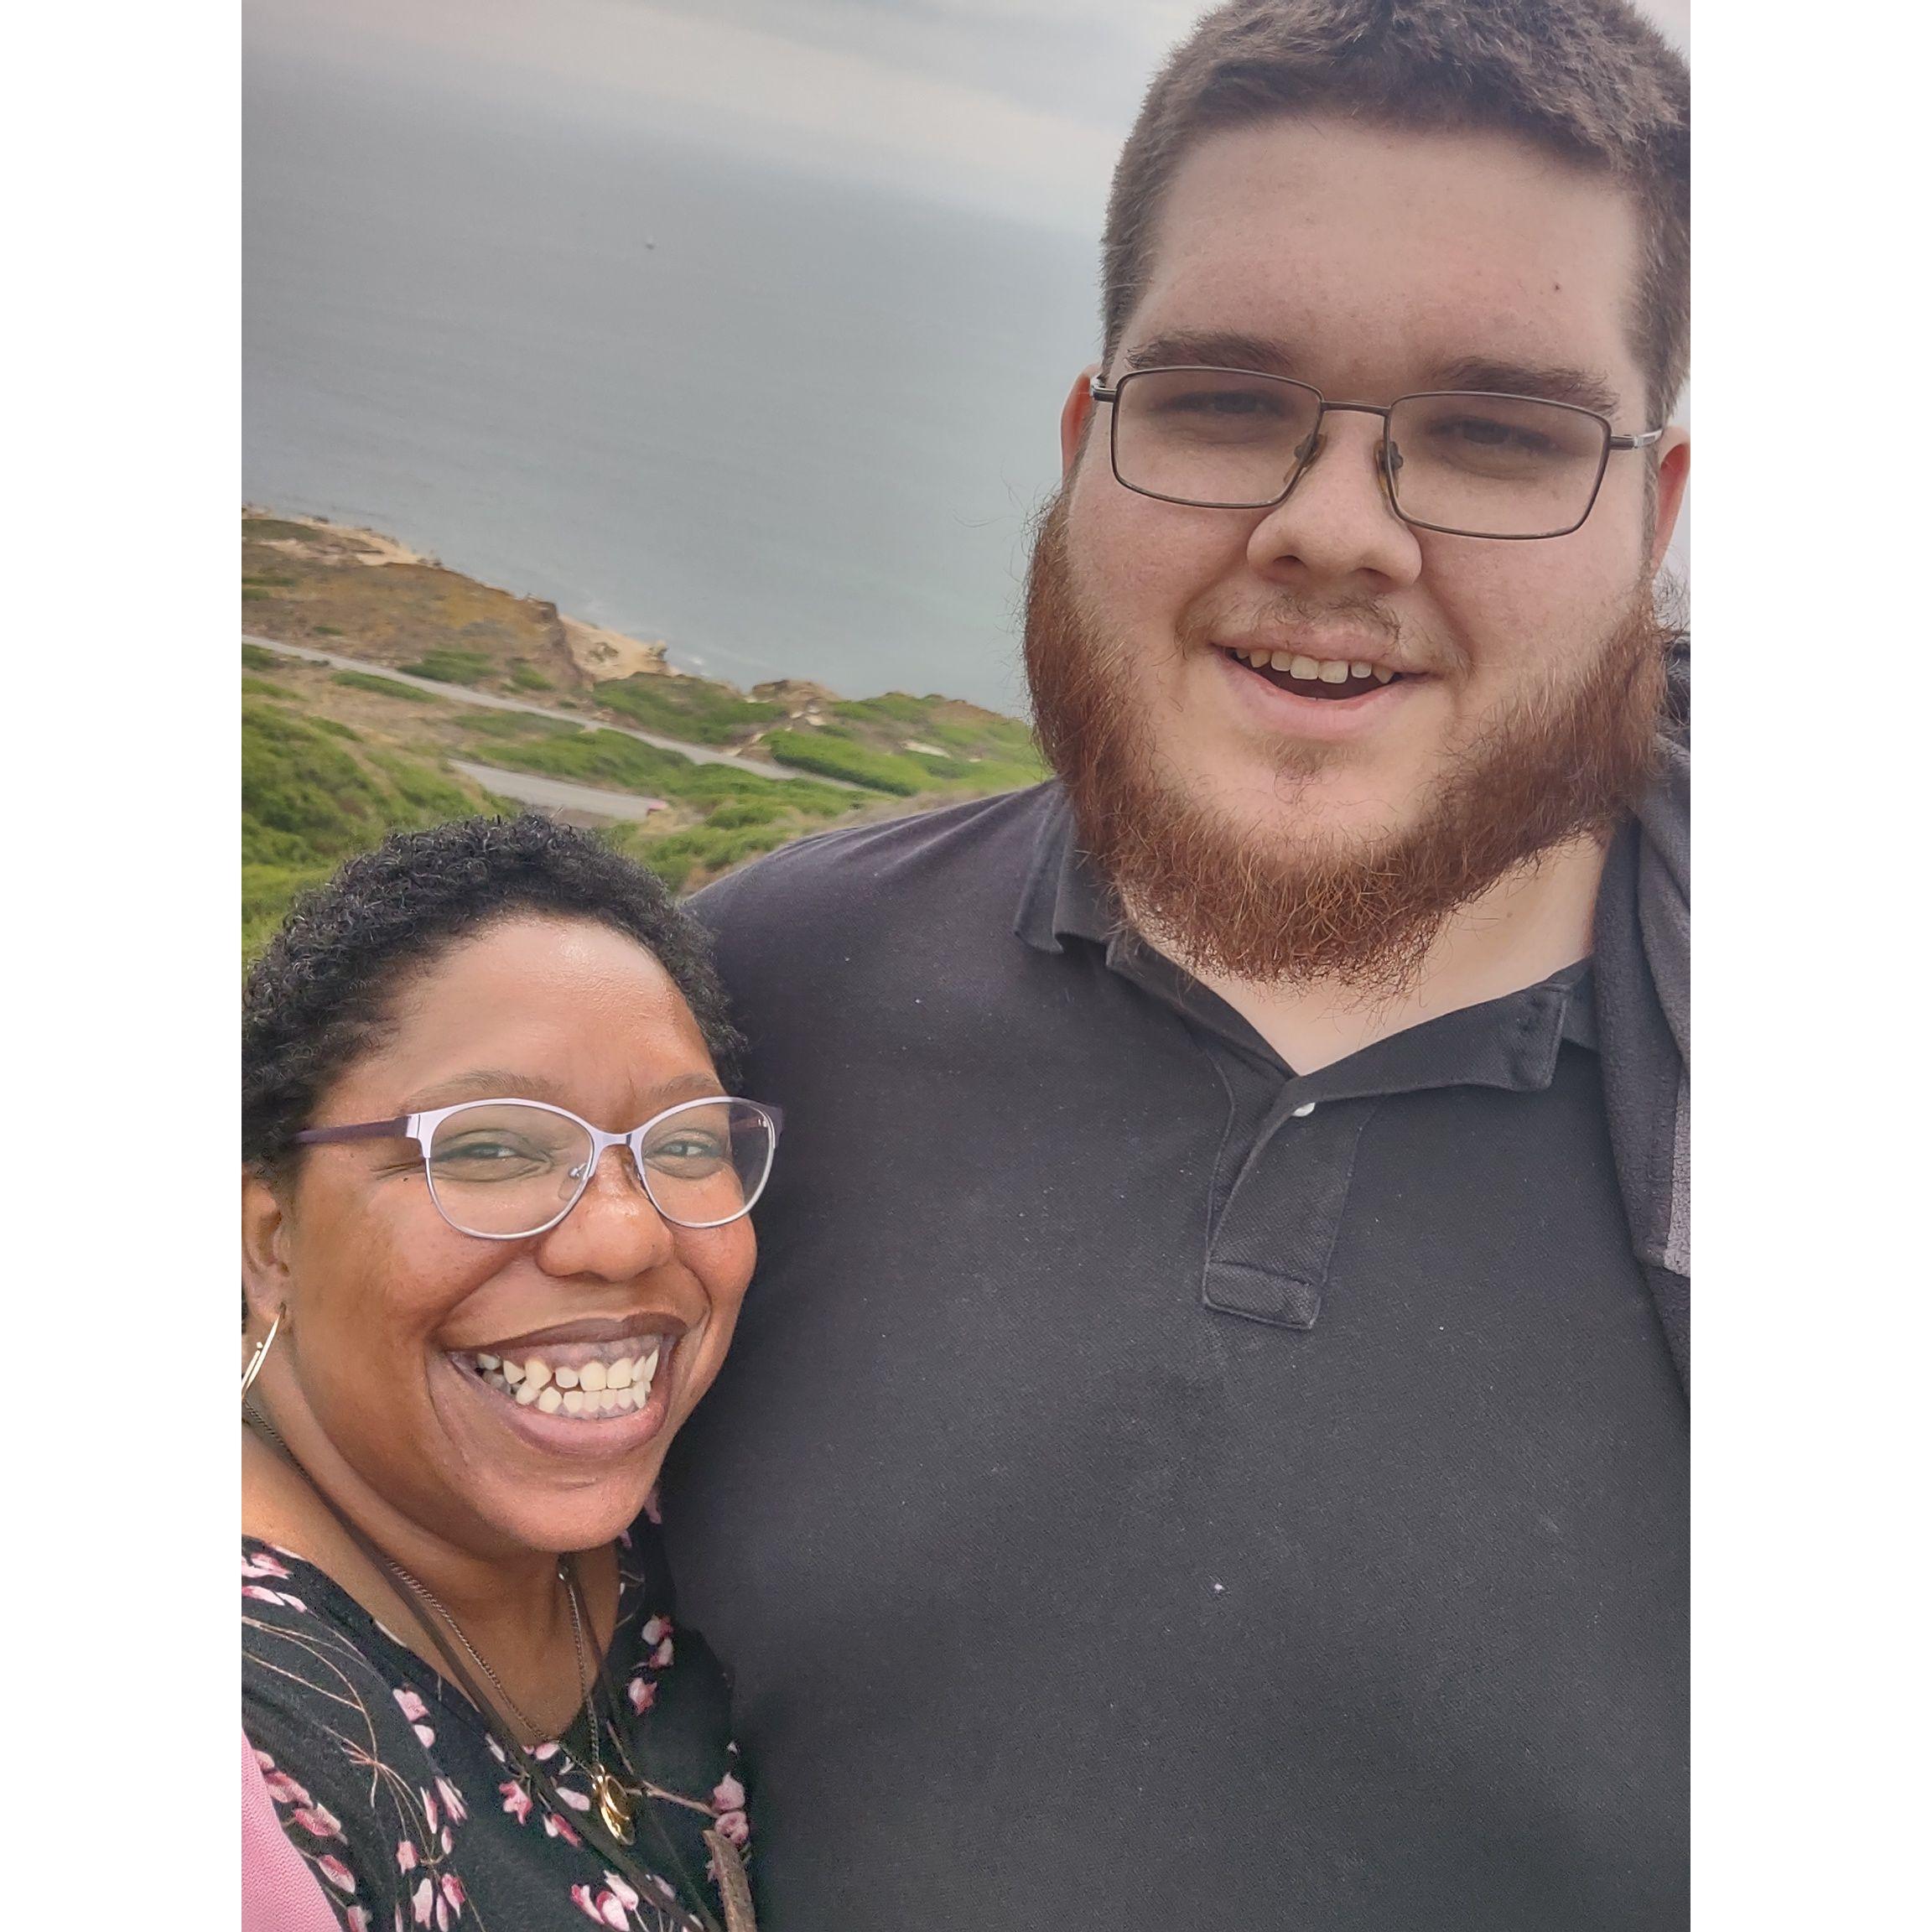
<point>607,1384</point>
<point>1313,670</point>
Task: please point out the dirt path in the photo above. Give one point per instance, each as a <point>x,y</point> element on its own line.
<point>558,794</point>
<point>494,701</point>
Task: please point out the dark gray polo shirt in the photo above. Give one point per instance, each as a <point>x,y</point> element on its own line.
<point>1151,1488</point>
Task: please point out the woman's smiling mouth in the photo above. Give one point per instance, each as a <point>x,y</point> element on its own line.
<point>576,1390</point>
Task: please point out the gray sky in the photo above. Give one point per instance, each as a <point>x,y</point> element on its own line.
<point>1016,106</point>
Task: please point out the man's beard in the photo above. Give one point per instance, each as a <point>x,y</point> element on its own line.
<point>1561,762</point>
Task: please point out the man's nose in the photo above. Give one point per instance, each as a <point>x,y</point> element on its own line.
<point>1337,522</point>
<point>614,1230</point>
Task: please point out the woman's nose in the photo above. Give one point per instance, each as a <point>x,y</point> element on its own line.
<point>614,1230</point>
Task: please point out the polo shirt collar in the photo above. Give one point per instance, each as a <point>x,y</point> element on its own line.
<point>1511,1042</point>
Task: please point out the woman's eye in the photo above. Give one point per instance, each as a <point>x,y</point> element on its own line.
<point>689,1147</point>
<point>488,1154</point>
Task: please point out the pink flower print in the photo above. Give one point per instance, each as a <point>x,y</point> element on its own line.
<point>728,1794</point>
<point>626,1896</point>
<point>452,1891</point>
<point>516,1800</point>
<point>429,1799</point>
<point>575,1799</point>
<point>423,1902</point>
<point>448,1844</point>
<point>545,1752</point>
<point>735,1826</point>
<point>284,1790</point>
<point>263,1761</point>
<point>656,1630</point>
<point>557,1827</point>
<point>262,1595</point>
<point>337,1873</point>
<point>580,1897</point>
<point>604,1909</point>
<point>661,1657</point>
<point>360,1919</point>
<point>406,1859</point>
<point>412,1708</point>
<point>263,1565</point>
<point>496,1750</point>
<point>318,1820</point>
<point>452,1801</point>
<point>642,1695</point>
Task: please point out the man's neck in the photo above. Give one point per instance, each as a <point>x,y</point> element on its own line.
<point>1520,931</point>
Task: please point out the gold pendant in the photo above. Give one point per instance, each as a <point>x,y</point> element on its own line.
<point>613,1806</point>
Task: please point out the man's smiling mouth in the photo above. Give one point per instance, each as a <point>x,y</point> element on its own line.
<point>1307,676</point>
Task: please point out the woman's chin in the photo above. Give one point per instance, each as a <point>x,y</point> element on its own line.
<point>560,1481</point>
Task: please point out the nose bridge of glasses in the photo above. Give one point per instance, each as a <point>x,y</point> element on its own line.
<point>1381,450</point>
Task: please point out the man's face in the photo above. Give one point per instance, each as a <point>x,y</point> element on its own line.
<point>1371,264</point>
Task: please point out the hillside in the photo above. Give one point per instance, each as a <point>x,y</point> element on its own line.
<point>334,756</point>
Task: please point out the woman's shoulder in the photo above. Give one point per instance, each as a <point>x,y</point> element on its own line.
<point>343,1725</point>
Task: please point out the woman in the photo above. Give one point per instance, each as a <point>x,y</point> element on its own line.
<point>479,1300</point>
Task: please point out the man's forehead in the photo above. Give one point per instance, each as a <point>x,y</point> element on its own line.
<point>1352,252</point>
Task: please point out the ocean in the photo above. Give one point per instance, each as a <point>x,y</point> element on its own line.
<point>792,426</point>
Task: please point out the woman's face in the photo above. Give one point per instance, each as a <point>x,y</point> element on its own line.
<point>390,1307</point>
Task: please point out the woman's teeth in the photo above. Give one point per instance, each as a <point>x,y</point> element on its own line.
<point>607,1381</point>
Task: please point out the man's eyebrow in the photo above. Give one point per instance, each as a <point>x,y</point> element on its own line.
<point>1552,381</point>
<point>1228,349</point>
<point>1212,348</point>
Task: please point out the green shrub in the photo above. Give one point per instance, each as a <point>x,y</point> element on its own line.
<point>453,666</point>
<point>382,686</point>
<point>253,592</point>
<point>692,708</point>
<point>841,758</point>
<point>254,658</point>
<point>525,677</point>
<point>262,688</point>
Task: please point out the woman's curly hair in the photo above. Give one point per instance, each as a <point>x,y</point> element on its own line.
<point>322,990</point>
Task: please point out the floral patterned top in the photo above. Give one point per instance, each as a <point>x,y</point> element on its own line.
<point>390,1783</point>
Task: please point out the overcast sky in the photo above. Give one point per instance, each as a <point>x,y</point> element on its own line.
<point>1017,105</point>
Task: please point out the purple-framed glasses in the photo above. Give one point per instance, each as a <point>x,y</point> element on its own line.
<point>505,1169</point>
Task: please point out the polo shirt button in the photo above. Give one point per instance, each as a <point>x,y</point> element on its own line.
<point>1305,1109</point>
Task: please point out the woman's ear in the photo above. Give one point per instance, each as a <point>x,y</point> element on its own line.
<point>266,1280</point>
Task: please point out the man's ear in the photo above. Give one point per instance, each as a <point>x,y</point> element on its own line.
<point>266,1280</point>
<point>1672,478</point>
<point>1076,412</point>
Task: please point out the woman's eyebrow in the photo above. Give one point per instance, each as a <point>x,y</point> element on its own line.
<point>503,1083</point>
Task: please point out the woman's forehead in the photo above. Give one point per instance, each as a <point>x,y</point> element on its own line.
<point>568,1003</point>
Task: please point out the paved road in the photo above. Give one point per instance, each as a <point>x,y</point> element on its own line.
<point>558,794</point>
<point>493,701</point>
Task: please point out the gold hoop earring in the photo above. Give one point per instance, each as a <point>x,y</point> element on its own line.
<point>261,1354</point>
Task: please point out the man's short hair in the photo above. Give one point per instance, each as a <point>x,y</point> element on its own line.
<point>1588,79</point>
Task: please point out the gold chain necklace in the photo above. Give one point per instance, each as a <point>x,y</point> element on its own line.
<point>615,1806</point>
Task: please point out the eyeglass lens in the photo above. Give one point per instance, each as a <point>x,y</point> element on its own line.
<point>1483,466</point>
<point>505,1167</point>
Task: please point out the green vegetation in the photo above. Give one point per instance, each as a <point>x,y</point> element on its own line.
<point>308,801</point>
<point>254,658</point>
<point>262,688</point>
<point>451,666</point>
<point>328,629</point>
<point>693,708</point>
<point>525,677</point>
<point>382,686</point>
<point>841,757</point>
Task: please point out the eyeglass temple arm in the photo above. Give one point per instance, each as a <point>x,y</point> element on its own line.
<point>393,1129</point>
<point>1638,442</point>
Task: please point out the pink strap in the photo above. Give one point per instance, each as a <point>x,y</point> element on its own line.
<point>279,1892</point>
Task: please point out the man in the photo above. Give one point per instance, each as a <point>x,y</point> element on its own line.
<point>1207,1445</point>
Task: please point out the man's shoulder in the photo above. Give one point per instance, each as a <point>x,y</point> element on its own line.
<point>899,871</point>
